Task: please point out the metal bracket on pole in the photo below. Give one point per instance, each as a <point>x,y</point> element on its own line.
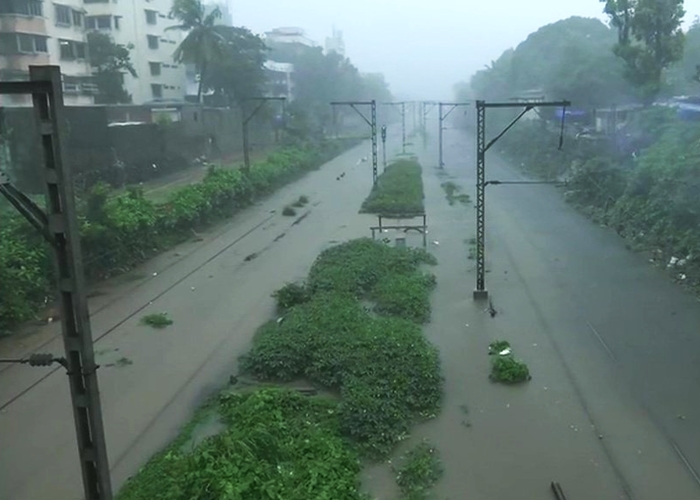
<point>27,208</point>
<point>481,148</point>
<point>246,120</point>
<point>442,116</point>
<point>60,226</point>
<point>384,144</point>
<point>403,122</point>
<point>372,122</point>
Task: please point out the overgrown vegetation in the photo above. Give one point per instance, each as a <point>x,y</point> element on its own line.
<point>279,444</point>
<point>118,232</point>
<point>420,471</point>
<point>157,320</point>
<point>504,367</point>
<point>276,444</point>
<point>384,369</point>
<point>398,191</point>
<point>649,198</point>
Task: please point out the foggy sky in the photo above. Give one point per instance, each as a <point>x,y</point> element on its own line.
<point>422,47</point>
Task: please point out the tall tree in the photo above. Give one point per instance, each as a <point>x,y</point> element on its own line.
<point>205,40</point>
<point>109,62</point>
<point>569,59</point>
<point>239,73</point>
<point>650,39</point>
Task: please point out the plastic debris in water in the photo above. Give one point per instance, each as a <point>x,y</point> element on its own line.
<point>505,352</point>
<point>673,261</point>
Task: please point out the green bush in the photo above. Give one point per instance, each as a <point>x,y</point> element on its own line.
<point>291,294</point>
<point>398,191</point>
<point>276,444</point>
<point>508,370</point>
<point>121,231</point>
<point>421,470</point>
<point>388,374</point>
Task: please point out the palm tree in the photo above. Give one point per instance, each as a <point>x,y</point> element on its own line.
<point>205,39</point>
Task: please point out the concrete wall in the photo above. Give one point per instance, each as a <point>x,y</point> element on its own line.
<point>98,147</point>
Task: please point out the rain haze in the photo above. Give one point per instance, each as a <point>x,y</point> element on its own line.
<point>423,48</point>
<point>349,250</point>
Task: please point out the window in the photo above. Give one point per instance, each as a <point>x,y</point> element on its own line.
<point>64,15</point>
<point>155,68</point>
<point>21,7</point>
<point>18,43</point>
<point>71,50</point>
<point>151,16</point>
<point>40,44</point>
<point>117,24</point>
<point>157,90</point>
<point>26,43</point>
<point>77,18</point>
<point>98,22</point>
<point>152,41</point>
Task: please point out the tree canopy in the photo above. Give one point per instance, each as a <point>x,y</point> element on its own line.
<point>320,78</point>
<point>239,72</point>
<point>569,59</point>
<point>204,43</point>
<point>109,62</point>
<point>650,39</point>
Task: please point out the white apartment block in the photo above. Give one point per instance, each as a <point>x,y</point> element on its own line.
<point>143,23</point>
<point>36,32</point>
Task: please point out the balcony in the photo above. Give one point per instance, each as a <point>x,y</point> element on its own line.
<point>10,23</point>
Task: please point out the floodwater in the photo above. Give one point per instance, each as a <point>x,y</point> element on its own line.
<point>598,416</point>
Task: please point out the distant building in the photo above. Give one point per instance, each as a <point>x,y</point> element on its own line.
<point>144,24</point>
<point>280,74</point>
<point>289,36</point>
<point>33,32</point>
<point>279,79</point>
<point>335,43</point>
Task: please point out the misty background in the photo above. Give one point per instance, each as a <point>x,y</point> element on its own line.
<point>423,48</point>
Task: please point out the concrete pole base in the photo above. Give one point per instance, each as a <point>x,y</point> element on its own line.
<point>481,294</point>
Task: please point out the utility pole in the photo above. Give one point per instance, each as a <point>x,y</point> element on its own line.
<point>60,229</point>
<point>442,116</point>
<point>384,144</point>
<point>372,122</point>
<point>482,147</point>
<point>246,120</point>
<point>403,122</point>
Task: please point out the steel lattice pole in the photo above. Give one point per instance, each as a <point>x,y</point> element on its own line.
<point>480,291</point>
<point>374,141</point>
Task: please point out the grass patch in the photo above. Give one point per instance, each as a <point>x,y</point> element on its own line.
<point>398,191</point>
<point>452,192</point>
<point>504,367</point>
<point>289,211</point>
<point>421,470</point>
<point>279,444</point>
<point>157,320</point>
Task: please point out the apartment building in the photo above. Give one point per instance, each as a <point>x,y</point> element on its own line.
<point>36,32</point>
<point>144,24</point>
